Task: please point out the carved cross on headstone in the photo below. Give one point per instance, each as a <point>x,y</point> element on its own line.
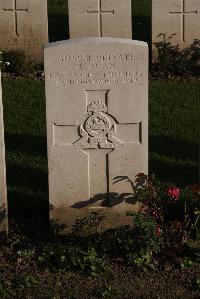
<point>100,12</point>
<point>183,14</point>
<point>97,132</point>
<point>15,11</point>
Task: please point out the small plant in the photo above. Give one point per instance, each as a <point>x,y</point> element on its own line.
<point>106,292</point>
<point>4,291</point>
<point>173,60</point>
<point>68,257</point>
<point>88,225</point>
<point>17,61</point>
<point>26,253</point>
<point>147,241</point>
<point>186,263</point>
<point>18,64</point>
<point>27,282</point>
<point>175,210</point>
<point>196,283</point>
<point>3,62</point>
<point>23,256</point>
<point>135,244</point>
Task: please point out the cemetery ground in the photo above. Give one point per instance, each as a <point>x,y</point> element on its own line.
<point>154,261</point>
<point>36,265</point>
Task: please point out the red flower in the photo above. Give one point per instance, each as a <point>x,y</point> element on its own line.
<point>155,214</point>
<point>158,230</point>
<point>173,193</point>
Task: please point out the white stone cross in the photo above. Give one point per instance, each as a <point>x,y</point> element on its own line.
<point>97,130</point>
<point>15,11</point>
<point>100,12</point>
<point>183,13</point>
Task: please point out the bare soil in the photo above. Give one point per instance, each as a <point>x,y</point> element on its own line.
<point>21,276</point>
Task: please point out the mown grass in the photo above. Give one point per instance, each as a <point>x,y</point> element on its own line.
<point>174,128</point>
<point>173,139</point>
<point>25,137</point>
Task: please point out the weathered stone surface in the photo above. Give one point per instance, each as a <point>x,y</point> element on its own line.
<point>178,19</point>
<point>3,189</point>
<point>24,26</point>
<point>97,123</point>
<point>100,18</point>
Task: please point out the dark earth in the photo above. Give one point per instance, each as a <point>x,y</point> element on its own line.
<point>22,276</point>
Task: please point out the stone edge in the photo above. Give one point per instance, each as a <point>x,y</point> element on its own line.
<point>4,220</point>
<point>97,40</point>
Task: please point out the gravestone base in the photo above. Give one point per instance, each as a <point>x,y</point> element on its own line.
<point>113,217</point>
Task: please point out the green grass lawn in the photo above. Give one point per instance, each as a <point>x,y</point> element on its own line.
<point>174,129</point>
<point>173,139</point>
<point>25,137</point>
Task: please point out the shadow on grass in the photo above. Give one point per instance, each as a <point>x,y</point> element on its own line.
<point>58,27</point>
<point>181,149</point>
<point>28,191</point>
<point>141,26</point>
<point>27,205</point>
<point>27,186</point>
<point>174,160</point>
<point>33,145</point>
<point>31,179</point>
<point>170,160</point>
<point>173,172</point>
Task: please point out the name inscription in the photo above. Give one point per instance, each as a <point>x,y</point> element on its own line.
<point>98,69</point>
<point>102,57</point>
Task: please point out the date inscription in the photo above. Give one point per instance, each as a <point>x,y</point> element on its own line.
<point>98,69</point>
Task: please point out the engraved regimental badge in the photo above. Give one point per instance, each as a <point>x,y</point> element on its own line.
<point>98,129</point>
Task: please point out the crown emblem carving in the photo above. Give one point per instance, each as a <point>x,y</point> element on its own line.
<point>98,124</point>
<point>97,107</point>
<point>98,129</point>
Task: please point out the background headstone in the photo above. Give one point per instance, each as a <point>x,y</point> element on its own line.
<point>178,19</point>
<point>24,26</point>
<point>97,123</point>
<point>3,189</point>
<point>100,18</point>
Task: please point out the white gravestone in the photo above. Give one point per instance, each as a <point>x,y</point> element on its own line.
<point>3,189</point>
<point>100,18</point>
<point>97,123</point>
<point>178,19</point>
<point>24,26</point>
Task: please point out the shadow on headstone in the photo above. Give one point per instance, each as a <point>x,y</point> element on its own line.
<point>103,201</point>
<point>113,198</point>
